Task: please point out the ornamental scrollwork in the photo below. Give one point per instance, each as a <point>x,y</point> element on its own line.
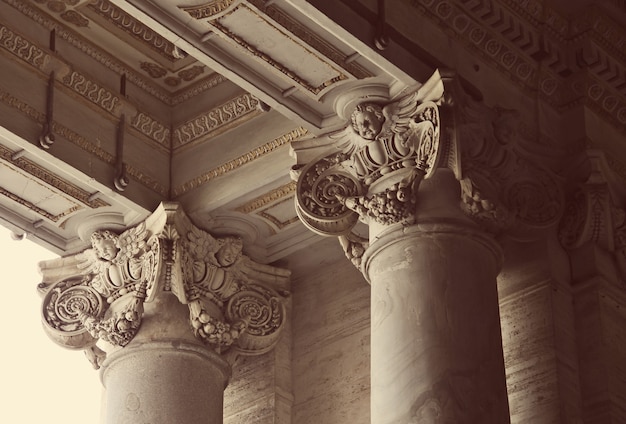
<point>380,160</point>
<point>235,304</point>
<point>261,309</point>
<point>320,189</point>
<point>105,301</point>
<point>502,188</point>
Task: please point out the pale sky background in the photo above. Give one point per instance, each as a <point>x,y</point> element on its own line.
<point>41,382</point>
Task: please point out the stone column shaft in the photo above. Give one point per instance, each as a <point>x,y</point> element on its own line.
<point>164,375</point>
<point>436,343</point>
<point>433,177</point>
<point>163,309</point>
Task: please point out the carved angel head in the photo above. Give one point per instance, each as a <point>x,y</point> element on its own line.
<point>230,250</point>
<point>105,244</point>
<point>367,120</point>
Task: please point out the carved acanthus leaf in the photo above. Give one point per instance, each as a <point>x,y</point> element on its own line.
<point>231,300</point>
<point>502,188</point>
<point>593,215</point>
<point>79,311</point>
<point>379,161</point>
<point>234,302</point>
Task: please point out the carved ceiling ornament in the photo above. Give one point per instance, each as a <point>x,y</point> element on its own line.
<point>377,162</point>
<point>594,215</point>
<point>95,298</point>
<point>503,188</point>
<point>209,9</point>
<point>132,26</point>
<point>264,32</point>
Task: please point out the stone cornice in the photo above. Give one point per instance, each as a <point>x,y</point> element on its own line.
<point>280,67</point>
<point>110,62</point>
<point>268,198</point>
<point>239,161</point>
<point>262,206</point>
<point>199,87</point>
<point>538,48</point>
<point>43,175</point>
<point>312,40</point>
<point>81,142</point>
<point>215,121</point>
<point>134,28</point>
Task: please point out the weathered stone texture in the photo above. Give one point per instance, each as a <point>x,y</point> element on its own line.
<point>331,336</point>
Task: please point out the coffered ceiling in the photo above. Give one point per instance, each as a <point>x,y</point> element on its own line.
<point>199,101</point>
<point>188,101</point>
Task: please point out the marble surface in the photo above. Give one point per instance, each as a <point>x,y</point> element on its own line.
<point>436,343</point>
<point>330,339</point>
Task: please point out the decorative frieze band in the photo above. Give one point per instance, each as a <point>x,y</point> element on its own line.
<point>151,128</point>
<point>92,91</point>
<point>133,27</point>
<point>89,49</point>
<point>22,48</point>
<point>215,119</point>
<point>240,161</point>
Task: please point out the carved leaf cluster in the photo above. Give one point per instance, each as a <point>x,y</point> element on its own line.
<point>398,140</point>
<point>233,301</point>
<point>118,268</point>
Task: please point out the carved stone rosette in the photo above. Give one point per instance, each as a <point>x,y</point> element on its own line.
<point>98,296</point>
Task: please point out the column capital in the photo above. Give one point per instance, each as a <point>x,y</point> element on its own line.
<point>373,168</point>
<point>593,226</point>
<point>94,300</point>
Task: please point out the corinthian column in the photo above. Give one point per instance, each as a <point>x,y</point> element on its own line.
<point>163,309</point>
<point>430,177</point>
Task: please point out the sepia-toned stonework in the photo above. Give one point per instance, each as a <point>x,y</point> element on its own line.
<point>444,182</point>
